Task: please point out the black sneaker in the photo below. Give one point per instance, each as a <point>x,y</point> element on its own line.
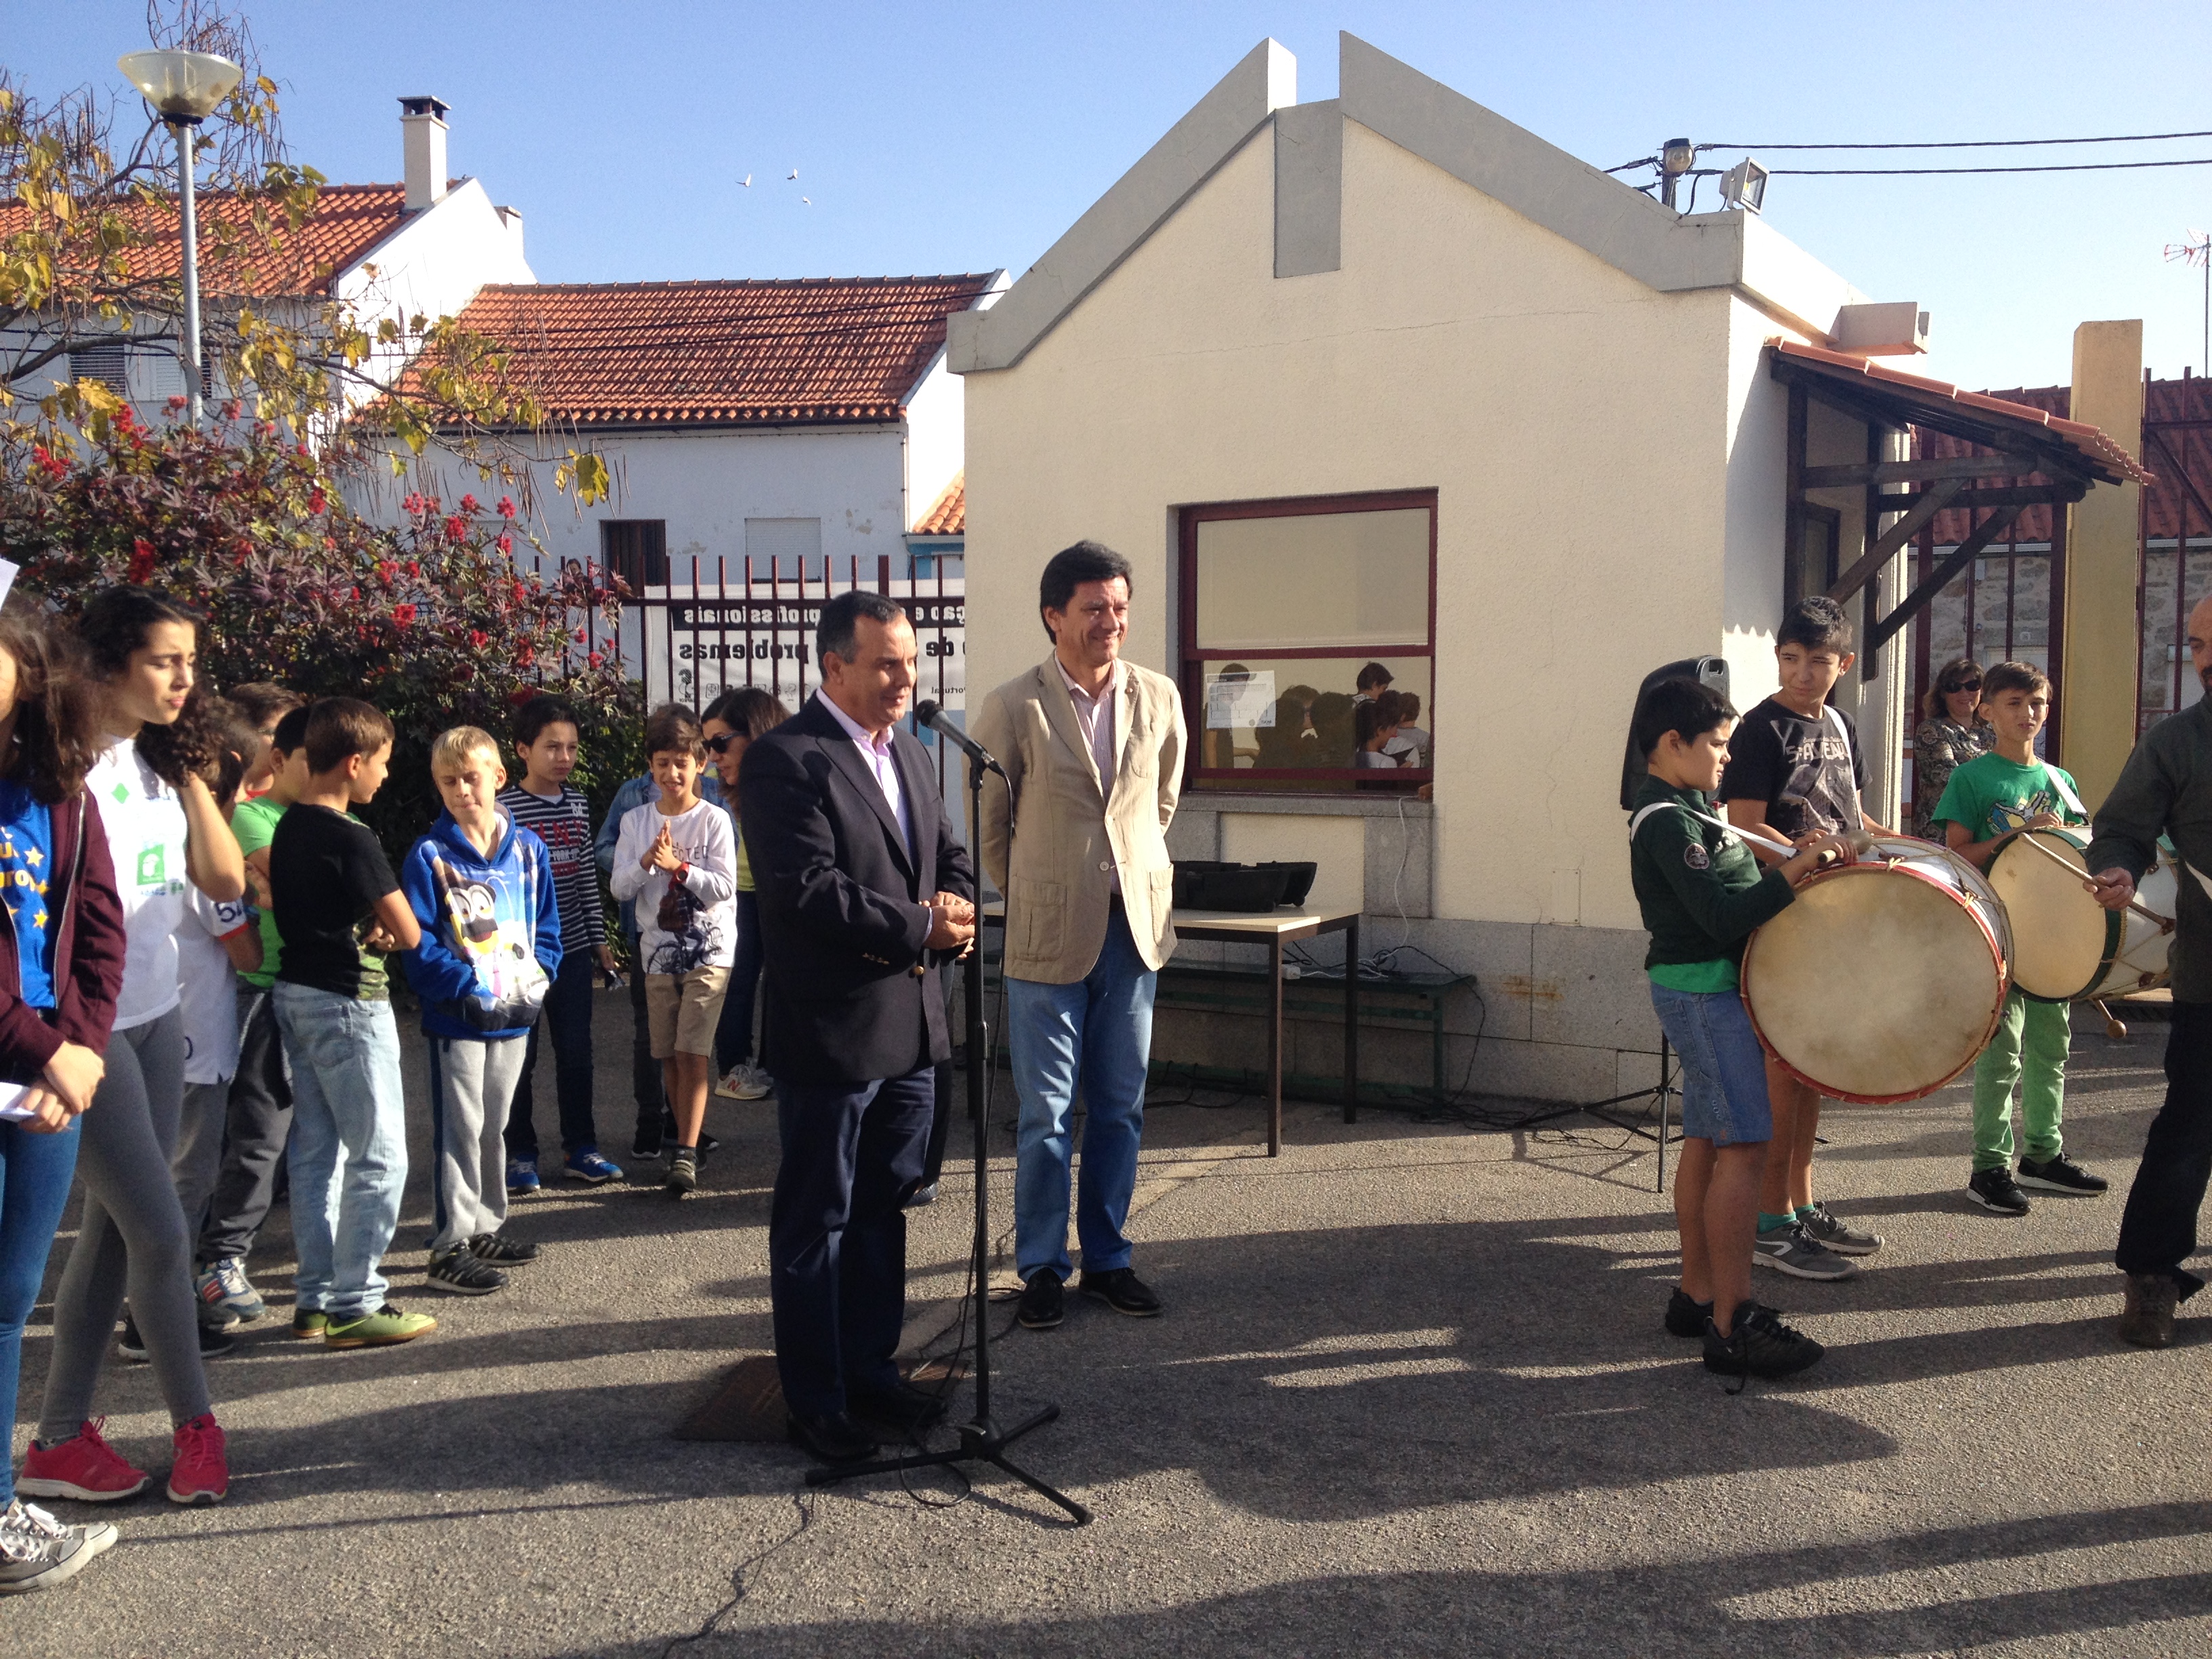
<point>682,1173</point>
<point>214,1344</point>
<point>502,1249</point>
<point>646,1142</point>
<point>899,1404</point>
<point>1040,1309</point>
<point>457,1269</point>
<point>1995,1189</point>
<point>706,1142</point>
<point>1120,1289</point>
<point>1686,1317</point>
<point>1758,1344</point>
<point>2061,1175</point>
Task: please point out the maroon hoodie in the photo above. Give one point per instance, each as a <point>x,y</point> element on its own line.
<point>87,952</point>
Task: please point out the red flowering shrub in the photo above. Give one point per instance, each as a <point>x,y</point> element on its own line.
<point>429,620</point>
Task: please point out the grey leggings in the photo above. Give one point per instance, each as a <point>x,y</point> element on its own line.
<point>133,1240</point>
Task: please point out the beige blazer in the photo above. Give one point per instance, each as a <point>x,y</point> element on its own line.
<point>1066,838</point>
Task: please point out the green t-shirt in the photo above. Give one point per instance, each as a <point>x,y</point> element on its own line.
<point>1991,796</point>
<point>253,823</point>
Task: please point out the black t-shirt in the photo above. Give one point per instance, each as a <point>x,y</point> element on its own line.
<point>1806,773</point>
<point>326,872</point>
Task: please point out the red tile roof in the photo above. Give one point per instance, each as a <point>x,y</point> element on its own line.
<point>1936,399</point>
<point>2177,440</point>
<point>348,220</point>
<point>949,516</point>
<point>723,353</point>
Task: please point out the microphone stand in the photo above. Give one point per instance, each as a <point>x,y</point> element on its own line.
<point>982,1441</point>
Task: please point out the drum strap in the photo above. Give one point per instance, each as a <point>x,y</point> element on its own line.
<point>1637,822</point>
<point>1828,714</point>
<point>2066,793</point>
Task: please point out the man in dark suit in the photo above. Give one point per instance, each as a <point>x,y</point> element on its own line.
<point>863,891</point>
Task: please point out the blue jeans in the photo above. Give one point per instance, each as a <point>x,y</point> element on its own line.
<point>734,1036</point>
<point>349,1145</point>
<point>35,1185</point>
<point>1724,1068</point>
<point>1097,1032</point>
<point>567,1021</point>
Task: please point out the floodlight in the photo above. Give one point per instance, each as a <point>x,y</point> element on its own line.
<point>1744,185</point>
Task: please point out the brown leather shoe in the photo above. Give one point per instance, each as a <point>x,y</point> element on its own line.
<point>2147,1319</point>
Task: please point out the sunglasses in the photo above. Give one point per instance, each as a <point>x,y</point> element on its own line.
<point>1948,690</point>
<point>720,743</point>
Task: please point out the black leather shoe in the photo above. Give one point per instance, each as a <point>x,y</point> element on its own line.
<point>1121,1290</point>
<point>1040,1309</point>
<point>835,1439</point>
<point>899,1404</point>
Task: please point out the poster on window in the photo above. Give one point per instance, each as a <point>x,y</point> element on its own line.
<point>1240,698</point>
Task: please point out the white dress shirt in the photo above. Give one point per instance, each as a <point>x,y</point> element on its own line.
<point>876,755</point>
<point>1095,716</point>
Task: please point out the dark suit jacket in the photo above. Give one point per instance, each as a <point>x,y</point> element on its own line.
<point>852,994</point>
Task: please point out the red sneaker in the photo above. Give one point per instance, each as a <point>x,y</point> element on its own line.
<point>85,1467</point>
<point>200,1474</point>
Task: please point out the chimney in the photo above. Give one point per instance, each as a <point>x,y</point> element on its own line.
<point>422,132</point>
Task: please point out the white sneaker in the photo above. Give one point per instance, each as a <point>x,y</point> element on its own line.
<point>744,1082</point>
<point>37,1552</point>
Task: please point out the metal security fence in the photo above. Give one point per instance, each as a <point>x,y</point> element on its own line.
<point>719,623</point>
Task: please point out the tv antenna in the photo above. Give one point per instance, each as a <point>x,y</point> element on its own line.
<point>2196,250</point>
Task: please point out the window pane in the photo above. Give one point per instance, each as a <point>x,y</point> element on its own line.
<point>1313,579</point>
<point>1297,711</point>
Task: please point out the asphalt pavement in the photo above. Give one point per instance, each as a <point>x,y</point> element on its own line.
<point>1411,1396</point>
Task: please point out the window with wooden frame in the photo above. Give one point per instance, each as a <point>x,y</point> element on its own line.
<point>636,550</point>
<point>1286,605</point>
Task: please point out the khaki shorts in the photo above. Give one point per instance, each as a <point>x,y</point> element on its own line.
<point>681,1012</point>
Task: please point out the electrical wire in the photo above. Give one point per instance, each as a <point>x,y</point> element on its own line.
<point>2056,167</point>
<point>1962,143</point>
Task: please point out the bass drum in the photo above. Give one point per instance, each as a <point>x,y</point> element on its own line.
<point>1885,978</point>
<point>2067,947</point>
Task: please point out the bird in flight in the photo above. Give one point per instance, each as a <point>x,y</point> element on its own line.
<point>807,200</point>
<point>747,181</point>
<point>795,172</point>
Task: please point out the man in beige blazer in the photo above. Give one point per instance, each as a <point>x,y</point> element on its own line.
<point>1093,749</point>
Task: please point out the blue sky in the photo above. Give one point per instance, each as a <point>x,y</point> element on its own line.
<point>940,137</point>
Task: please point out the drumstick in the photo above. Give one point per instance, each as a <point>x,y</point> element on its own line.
<point>2164,923</point>
<point>2113,1028</point>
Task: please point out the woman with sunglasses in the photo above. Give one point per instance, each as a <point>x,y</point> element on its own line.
<point>1951,732</point>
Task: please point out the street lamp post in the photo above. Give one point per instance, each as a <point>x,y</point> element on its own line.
<point>184,87</point>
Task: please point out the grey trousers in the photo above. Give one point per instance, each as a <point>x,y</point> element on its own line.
<point>197,1162</point>
<point>471,1082</point>
<point>133,1240</point>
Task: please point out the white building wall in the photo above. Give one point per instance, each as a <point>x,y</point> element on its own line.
<point>704,485</point>
<point>432,267</point>
<point>936,421</point>
<point>1577,425</point>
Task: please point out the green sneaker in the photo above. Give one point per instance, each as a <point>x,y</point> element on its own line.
<point>380,1329</point>
<point>309,1322</point>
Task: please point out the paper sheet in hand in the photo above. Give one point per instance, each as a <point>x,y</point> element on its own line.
<point>11,1094</point>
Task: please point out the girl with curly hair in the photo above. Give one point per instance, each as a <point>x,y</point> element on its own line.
<point>164,830</point>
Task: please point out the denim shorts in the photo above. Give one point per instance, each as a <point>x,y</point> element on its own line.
<point>1724,1068</point>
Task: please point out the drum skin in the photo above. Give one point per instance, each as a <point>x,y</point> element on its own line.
<point>1885,979</point>
<point>2066,946</point>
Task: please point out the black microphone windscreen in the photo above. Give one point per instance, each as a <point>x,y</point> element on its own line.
<point>925,712</point>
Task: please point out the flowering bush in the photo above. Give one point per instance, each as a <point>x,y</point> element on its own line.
<point>429,620</point>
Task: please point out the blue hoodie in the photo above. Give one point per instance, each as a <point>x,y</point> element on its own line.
<point>479,971</point>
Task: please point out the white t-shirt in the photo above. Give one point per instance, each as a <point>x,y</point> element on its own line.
<point>693,925</point>
<point>145,825</point>
<point>209,1005</point>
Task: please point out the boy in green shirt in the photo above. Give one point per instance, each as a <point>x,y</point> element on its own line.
<point>1702,894</point>
<point>1988,801</point>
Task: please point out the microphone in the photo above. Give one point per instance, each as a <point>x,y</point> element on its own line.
<point>927,713</point>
